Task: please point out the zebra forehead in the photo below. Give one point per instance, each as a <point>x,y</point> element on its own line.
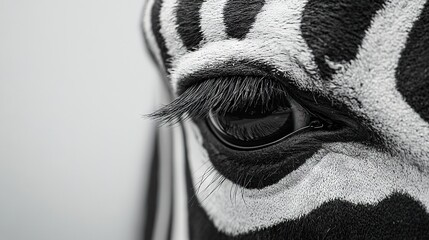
<point>330,29</point>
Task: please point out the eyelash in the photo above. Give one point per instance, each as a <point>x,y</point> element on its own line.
<point>222,95</point>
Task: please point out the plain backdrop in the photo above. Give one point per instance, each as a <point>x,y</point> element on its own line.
<point>75,81</point>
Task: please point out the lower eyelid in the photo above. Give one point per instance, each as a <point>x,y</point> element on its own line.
<point>280,158</point>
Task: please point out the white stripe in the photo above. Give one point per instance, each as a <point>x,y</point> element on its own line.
<point>215,55</point>
<point>212,23</point>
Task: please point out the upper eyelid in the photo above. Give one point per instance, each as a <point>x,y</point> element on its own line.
<point>241,68</point>
<point>222,94</point>
<point>195,102</point>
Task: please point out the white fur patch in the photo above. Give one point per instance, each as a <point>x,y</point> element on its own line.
<point>211,19</point>
<point>215,55</point>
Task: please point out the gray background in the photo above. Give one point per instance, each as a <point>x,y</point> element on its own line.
<point>74,83</point>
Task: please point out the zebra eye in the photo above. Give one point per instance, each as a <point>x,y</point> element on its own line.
<point>256,127</point>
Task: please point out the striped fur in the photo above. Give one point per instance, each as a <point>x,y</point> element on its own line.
<point>363,54</point>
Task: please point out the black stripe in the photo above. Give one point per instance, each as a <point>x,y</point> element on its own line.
<point>239,15</point>
<point>156,29</point>
<point>172,189</point>
<point>335,29</point>
<point>412,73</point>
<point>188,23</point>
<point>171,216</point>
<point>152,192</point>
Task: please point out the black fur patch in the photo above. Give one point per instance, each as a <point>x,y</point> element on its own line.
<point>258,168</point>
<point>156,27</point>
<point>412,73</point>
<point>188,23</point>
<point>239,15</point>
<point>334,29</point>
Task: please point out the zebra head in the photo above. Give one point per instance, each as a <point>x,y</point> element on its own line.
<point>302,119</point>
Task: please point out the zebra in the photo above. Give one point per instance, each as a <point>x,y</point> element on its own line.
<point>292,119</point>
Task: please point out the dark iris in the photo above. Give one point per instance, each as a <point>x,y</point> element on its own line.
<point>257,126</point>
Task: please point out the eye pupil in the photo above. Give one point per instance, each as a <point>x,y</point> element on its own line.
<point>253,126</point>
<point>256,126</point>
